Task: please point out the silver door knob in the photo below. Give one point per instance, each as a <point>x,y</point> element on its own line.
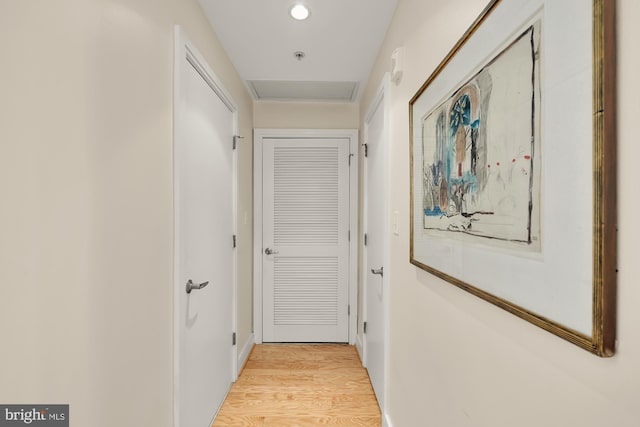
<point>379,271</point>
<point>191,286</point>
<point>270,251</point>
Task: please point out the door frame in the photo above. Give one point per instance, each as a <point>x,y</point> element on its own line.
<point>381,100</point>
<point>185,49</point>
<point>259,135</point>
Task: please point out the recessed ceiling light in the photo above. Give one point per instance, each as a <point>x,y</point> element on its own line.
<point>299,12</point>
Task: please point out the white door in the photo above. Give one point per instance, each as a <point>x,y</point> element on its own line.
<point>305,240</point>
<point>376,230</point>
<point>204,248</point>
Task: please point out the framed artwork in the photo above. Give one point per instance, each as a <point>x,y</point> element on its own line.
<point>512,142</point>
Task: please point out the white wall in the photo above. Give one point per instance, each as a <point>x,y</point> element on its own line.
<point>305,115</point>
<point>86,223</point>
<point>458,361</point>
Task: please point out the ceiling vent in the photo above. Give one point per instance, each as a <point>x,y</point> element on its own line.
<point>276,90</point>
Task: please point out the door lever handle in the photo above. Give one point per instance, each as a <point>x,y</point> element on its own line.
<point>191,286</point>
<point>380,271</point>
<point>270,251</point>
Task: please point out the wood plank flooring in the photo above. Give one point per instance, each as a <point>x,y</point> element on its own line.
<point>286,385</point>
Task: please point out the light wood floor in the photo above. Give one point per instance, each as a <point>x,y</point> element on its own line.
<point>302,386</point>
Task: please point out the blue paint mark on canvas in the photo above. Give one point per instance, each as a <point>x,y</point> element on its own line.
<point>433,212</point>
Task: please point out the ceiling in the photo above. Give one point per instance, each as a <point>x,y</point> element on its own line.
<point>340,41</point>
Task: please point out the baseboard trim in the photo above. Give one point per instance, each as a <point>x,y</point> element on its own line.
<point>243,356</point>
<point>360,348</point>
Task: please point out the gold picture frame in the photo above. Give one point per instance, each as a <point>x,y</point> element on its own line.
<point>513,166</point>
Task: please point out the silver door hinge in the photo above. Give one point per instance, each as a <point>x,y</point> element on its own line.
<point>235,140</point>
<point>366,149</point>
<point>366,239</point>
<point>233,340</point>
<point>364,327</point>
<point>234,241</point>
<point>349,236</point>
<point>349,310</point>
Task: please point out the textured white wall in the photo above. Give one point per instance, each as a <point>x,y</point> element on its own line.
<point>459,361</point>
<point>86,214</point>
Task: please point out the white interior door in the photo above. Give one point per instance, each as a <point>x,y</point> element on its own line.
<point>376,234</point>
<point>204,223</point>
<point>305,240</point>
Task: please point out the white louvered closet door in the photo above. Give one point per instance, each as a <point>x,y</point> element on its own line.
<point>306,226</point>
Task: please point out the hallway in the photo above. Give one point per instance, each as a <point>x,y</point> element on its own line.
<point>301,385</point>
<point>93,304</point>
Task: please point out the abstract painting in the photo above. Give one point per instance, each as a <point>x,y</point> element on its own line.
<point>512,142</point>
<point>479,148</point>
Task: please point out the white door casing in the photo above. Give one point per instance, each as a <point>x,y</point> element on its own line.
<point>204,224</point>
<point>376,228</point>
<point>267,262</point>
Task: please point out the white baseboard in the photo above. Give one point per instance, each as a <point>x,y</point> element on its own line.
<point>243,355</point>
<point>360,348</point>
<point>386,421</point>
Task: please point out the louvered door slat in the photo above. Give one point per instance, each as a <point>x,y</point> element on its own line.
<point>306,291</point>
<point>306,194</point>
